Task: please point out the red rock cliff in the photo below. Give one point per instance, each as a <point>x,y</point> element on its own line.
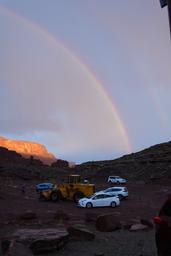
<point>27,149</point>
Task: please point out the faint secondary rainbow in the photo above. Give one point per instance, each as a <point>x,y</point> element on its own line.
<point>145,78</point>
<point>52,39</point>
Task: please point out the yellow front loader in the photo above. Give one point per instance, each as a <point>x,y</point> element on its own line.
<point>73,189</point>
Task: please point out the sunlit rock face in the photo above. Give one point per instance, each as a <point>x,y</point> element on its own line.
<point>27,149</point>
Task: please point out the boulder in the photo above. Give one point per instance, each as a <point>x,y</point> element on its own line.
<point>16,249</point>
<point>126,224</point>
<point>80,233</point>
<point>138,226</point>
<point>107,223</point>
<point>39,240</point>
<point>147,223</point>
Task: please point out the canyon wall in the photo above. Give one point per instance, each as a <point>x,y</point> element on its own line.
<point>27,149</point>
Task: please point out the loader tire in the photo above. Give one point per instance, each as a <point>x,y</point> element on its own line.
<point>77,196</point>
<point>55,196</point>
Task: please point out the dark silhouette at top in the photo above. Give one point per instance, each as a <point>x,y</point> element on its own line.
<point>164,3</point>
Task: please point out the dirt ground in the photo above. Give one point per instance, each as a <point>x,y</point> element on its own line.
<point>117,243</point>
<point>144,202</point>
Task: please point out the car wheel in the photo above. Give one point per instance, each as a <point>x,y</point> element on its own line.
<point>55,196</point>
<point>77,196</point>
<point>113,204</point>
<point>89,205</point>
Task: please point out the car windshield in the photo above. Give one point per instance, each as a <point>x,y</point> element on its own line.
<point>108,190</point>
<point>95,196</point>
<point>91,197</point>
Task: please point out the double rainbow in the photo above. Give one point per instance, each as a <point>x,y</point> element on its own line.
<point>95,82</point>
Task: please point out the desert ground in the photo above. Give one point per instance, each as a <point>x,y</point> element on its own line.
<point>144,202</point>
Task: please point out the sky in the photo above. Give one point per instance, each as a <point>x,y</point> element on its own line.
<point>89,79</point>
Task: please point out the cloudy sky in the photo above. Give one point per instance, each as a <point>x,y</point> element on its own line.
<point>89,79</point>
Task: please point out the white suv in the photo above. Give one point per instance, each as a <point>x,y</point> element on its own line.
<point>116,179</point>
<point>121,192</point>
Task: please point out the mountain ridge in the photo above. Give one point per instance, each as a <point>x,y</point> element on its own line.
<point>149,164</point>
<point>28,149</point>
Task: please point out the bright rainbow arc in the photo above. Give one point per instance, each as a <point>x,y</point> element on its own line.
<point>48,36</point>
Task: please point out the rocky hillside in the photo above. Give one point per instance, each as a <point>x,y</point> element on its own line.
<point>12,158</point>
<point>151,164</point>
<point>14,166</point>
<point>27,149</point>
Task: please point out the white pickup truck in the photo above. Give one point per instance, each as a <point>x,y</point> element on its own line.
<point>116,179</point>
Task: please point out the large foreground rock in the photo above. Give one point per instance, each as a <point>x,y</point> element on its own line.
<point>138,226</point>
<point>147,223</point>
<point>107,222</point>
<point>39,240</point>
<point>80,233</point>
<point>16,249</point>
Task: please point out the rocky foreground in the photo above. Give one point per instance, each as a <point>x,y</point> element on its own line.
<point>81,241</point>
<point>31,227</point>
<point>45,228</point>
